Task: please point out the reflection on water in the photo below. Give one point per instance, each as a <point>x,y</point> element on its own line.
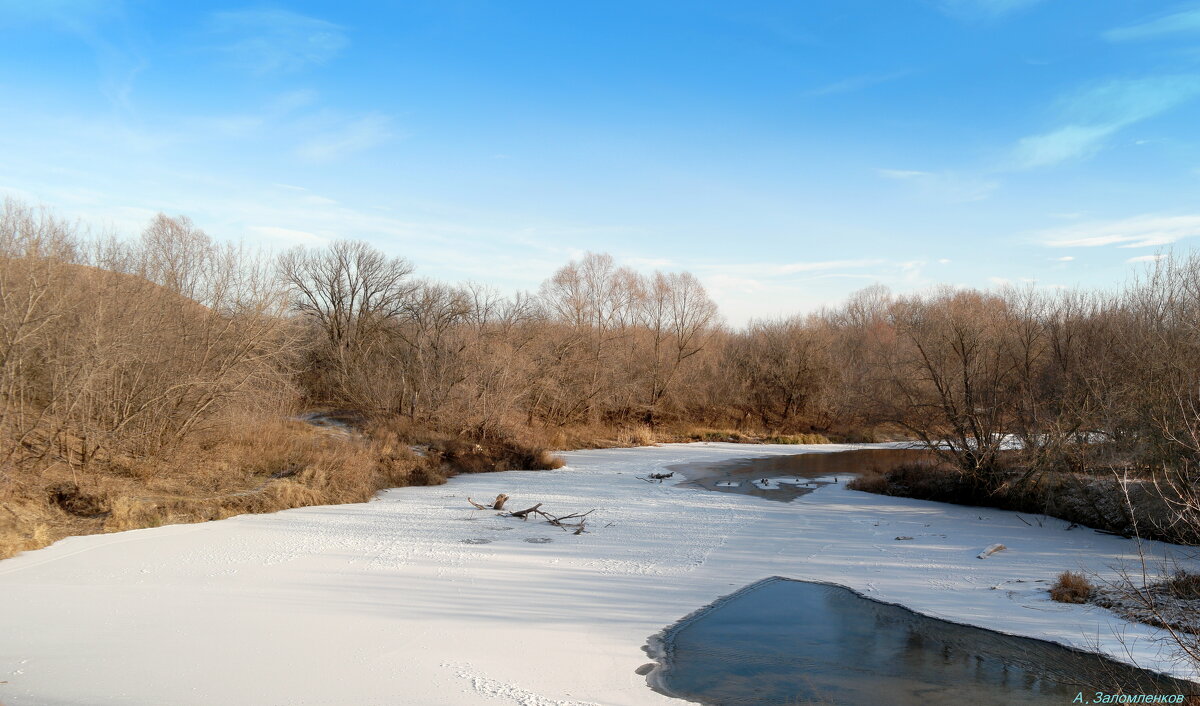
<point>788,477</point>
<point>789,642</point>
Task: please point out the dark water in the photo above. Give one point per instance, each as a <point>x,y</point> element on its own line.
<point>791,476</point>
<point>791,642</point>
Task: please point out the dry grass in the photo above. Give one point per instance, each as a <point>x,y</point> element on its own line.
<point>870,481</point>
<point>640,435</point>
<point>726,435</point>
<point>1184,585</point>
<point>1071,587</point>
<point>246,468</point>
<point>737,436</point>
<point>810,438</point>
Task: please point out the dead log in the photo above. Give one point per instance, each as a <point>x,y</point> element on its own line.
<point>524,514</point>
<point>992,549</point>
<point>656,477</point>
<point>497,504</point>
<point>562,521</point>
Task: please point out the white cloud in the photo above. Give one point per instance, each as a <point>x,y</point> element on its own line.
<point>944,261</point>
<point>1064,258</point>
<point>948,187</point>
<point>1097,113</point>
<point>287,236</point>
<point>347,138</point>
<point>772,269</point>
<point>1066,143</point>
<point>983,9</point>
<point>1145,258</point>
<point>724,284</point>
<point>648,262</point>
<point>902,174</point>
<point>268,41</point>
<point>1175,23</point>
<point>856,83</point>
<point>1138,232</point>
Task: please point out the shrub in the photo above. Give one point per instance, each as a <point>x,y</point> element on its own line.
<point>1184,585</point>
<point>812,438</point>
<point>1071,587</point>
<point>870,482</point>
<point>641,435</point>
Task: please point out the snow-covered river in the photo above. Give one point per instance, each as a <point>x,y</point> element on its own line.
<point>418,598</point>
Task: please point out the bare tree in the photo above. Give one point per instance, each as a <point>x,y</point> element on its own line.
<point>679,316</point>
<point>351,293</point>
<point>349,288</point>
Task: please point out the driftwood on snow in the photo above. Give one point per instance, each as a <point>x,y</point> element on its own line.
<point>497,504</point>
<point>653,477</point>
<point>563,521</point>
<point>524,514</point>
<point>992,550</point>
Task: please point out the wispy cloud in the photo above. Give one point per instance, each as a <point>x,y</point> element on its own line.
<point>347,138</point>
<point>949,187</point>
<point>982,9</point>
<point>1061,145</point>
<point>93,22</point>
<point>276,41</point>
<point>1097,113</point>
<point>856,83</point>
<point>286,236</point>
<point>1145,258</point>
<point>1137,232</point>
<point>68,14</point>
<point>774,269</point>
<point>1179,22</point>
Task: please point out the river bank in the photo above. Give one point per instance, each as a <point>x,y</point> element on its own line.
<point>417,597</point>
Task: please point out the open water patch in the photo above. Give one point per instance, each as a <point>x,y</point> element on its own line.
<point>781,641</point>
<point>788,477</point>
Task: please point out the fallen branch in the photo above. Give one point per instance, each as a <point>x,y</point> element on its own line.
<point>562,521</point>
<point>656,477</point>
<point>497,504</point>
<point>992,550</point>
<point>524,514</point>
<point>559,520</point>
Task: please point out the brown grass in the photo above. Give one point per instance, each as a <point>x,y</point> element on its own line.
<point>1071,587</point>
<point>640,435</point>
<point>1184,585</point>
<point>808,438</point>
<point>247,468</point>
<point>871,481</point>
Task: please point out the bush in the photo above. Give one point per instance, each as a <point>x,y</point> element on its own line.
<point>1184,585</point>
<point>870,482</point>
<point>1071,587</point>
<point>641,435</point>
<point>796,439</point>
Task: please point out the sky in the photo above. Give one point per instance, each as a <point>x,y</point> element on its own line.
<point>787,153</point>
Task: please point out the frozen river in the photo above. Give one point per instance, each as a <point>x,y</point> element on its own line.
<point>418,598</point>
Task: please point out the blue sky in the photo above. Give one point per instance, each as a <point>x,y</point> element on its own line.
<point>786,152</point>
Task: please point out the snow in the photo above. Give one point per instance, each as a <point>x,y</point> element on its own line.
<point>418,598</point>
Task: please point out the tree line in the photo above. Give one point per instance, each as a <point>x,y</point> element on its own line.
<point>127,347</point>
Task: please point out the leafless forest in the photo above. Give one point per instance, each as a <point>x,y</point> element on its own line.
<point>160,378</point>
